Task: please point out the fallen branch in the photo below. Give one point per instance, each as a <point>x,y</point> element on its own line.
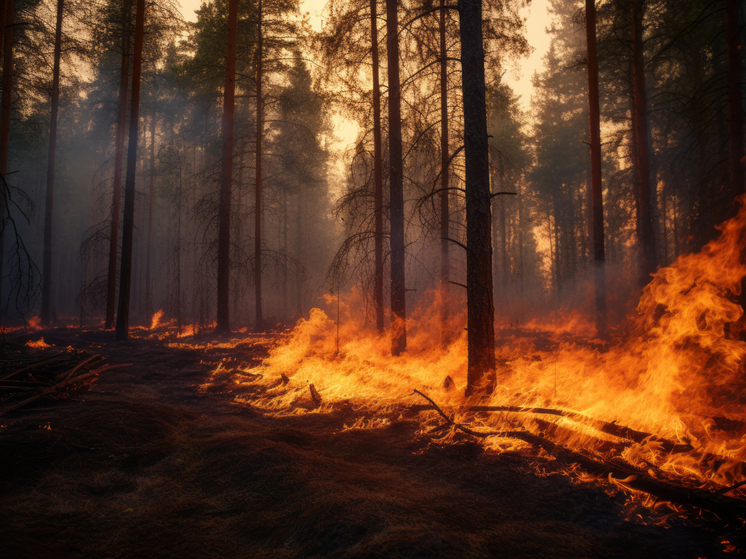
<point>57,378</point>
<point>624,476</point>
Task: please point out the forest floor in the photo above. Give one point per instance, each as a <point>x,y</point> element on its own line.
<point>150,464</point>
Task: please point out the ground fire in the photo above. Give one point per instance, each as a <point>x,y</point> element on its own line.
<point>372,278</point>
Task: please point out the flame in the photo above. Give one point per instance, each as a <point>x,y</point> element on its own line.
<point>669,396</point>
<point>40,344</point>
<point>155,322</point>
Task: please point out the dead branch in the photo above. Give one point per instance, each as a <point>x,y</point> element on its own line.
<point>57,377</point>
<point>623,475</point>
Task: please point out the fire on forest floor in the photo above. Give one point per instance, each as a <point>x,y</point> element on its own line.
<point>657,412</point>
<point>664,400</point>
<point>150,463</point>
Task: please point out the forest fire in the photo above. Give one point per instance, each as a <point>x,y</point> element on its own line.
<point>666,397</point>
<point>367,278</point>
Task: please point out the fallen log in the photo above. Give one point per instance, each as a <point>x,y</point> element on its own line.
<point>623,475</point>
<point>605,427</point>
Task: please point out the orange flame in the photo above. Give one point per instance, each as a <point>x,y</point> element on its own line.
<point>40,344</point>
<point>678,376</point>
<point>155,322</point>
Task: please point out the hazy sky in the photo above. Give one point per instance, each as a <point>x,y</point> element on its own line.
<point>537,37</point>
<point>538,20</point>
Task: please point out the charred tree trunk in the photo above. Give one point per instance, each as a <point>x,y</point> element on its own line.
<point>125,277</point>
<point>149,257</point>
<point>735,109</point>
<point>645,215</point>
<point>377,170</point>
<point>480,307</point>
<point>735,106</point>
<point>396,185</point>
<point>445,263</point>
<point>224,225</point>
<point>111,287</point>
<point>258,188</point>
<point>599,270</point>
<point>7,16</point>
<point>46,286</point>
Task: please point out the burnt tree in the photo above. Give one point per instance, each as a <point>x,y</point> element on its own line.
<point>258,170</point>
<point>7,15</point>
<point>224,225</point>
<point>735,106</point>
<point>599,272</point>
<point>46,286</point>
<point>111,287</point>
<point>445,264</point>
<point>125,277</point>
<point>396,185</point>
<point>646,235</point>
<point>480,307</point>
<point>377,170</point>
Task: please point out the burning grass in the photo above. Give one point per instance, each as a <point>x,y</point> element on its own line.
<point>668,397</point>
<point>313,443</point>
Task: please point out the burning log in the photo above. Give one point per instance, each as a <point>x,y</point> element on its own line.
<point>622,475</point>
<point>55,378</point>
<point>609,428</point>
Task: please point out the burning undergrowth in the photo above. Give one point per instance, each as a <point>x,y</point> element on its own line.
<point>667,398</point>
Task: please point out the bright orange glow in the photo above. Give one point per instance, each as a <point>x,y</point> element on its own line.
<point>677,376</point>
<point>40,344</point>
<point>156,320</point>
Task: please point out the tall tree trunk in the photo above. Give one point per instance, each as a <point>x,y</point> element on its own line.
<point>299,250</point>
<point>224,225</point>
<point>735,109</point>
<point>480,306</point>
<point>46,286</point>
<point>599,270</point>
<point>125,277</point>
<point>647,237</point>
<point>377,170</point>
<point>258,187</point>
<point>445,215</point>
<point>284,249</point>
<point>396,185</point>
<point>149,250</point>
<point>7,15</point>
<point>735,101</point>
<point>111,288</point>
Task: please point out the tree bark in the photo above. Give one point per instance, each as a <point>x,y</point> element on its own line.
<point>396,185</point>
<point>111,288</point>
<point>46,286</point>
<point>599,270</point>
<point>149,250</point>
<point>125,277</point>
<point>7,15</point>
<point>377,171</point>
<point>735,106</point>
<point>445,264</point>
<point>645,214</point>
<point>480,306</point>
<point>258,188</point>
<point>224,225</point>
